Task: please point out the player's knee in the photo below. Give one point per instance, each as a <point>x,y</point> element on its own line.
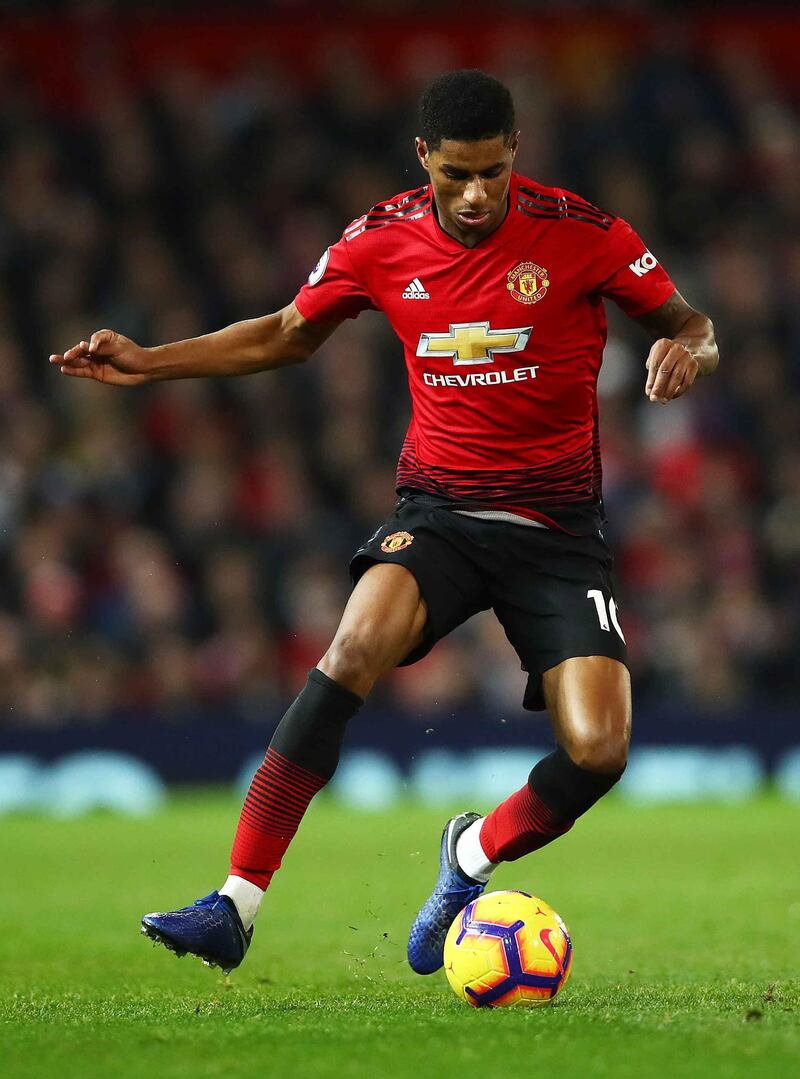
<point>607,754</point>
<point>354,660</point>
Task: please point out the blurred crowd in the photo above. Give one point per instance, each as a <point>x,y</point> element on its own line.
<point>181,549</point>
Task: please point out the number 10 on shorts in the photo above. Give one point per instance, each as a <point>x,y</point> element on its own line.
<point>605,613</point>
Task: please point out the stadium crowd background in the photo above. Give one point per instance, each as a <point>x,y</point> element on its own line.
<point>181,550</point>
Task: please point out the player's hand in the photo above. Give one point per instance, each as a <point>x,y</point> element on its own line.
<point>107,357</point>
<point>671,369</point>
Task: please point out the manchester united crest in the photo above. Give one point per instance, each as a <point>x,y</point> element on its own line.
<point>398,541</point>
<point>528,282</point>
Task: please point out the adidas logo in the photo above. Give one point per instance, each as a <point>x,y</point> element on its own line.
<point>415,290</point>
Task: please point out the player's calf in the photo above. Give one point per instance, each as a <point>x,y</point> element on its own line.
<point>558,791</point>
<point>382,621</point>
<point>300,760</point>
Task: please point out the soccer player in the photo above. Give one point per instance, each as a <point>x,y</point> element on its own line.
<point>495,285</point>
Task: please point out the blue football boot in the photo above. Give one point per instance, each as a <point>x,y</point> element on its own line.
<point>211,929</point>
<point>454,889</point>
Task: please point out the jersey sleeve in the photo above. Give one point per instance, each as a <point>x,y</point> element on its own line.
<point>333,291</point>
<point>630,275</point>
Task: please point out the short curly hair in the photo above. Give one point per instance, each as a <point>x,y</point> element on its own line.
<point>466,105</point>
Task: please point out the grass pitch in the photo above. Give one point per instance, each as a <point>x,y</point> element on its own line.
<point>685,923</point>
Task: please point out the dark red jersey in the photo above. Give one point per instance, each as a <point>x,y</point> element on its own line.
<point>503,341</point>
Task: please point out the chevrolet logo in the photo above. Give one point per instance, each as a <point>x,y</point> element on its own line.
<point>473,342</point>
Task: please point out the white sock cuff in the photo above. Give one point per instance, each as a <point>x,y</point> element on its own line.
<point>471,856</point>
<point>246,897</point>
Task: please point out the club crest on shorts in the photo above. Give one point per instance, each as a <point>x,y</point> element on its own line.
<point>528,282</point>
<point>398,541</point>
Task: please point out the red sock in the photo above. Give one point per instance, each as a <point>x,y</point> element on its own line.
<point>278,797</point>
<point>519,825</point>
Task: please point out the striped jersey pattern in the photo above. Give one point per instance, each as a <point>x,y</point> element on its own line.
<point>572,479</point>
<point>536,204</point>
<point>410,207</point>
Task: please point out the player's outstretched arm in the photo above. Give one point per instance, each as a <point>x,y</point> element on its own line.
<point>685,347</point>
<point>258,344</point>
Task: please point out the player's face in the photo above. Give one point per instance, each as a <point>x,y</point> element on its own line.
<point>470,183</point>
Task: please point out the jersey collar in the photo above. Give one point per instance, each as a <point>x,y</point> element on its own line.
<point>501,235</point>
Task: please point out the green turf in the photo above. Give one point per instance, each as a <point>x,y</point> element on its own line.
<point>685,923</point>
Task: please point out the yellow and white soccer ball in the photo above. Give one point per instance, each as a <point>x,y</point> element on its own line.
<point>507,949</point>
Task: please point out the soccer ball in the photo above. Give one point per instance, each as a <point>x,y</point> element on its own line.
<point>507,948</point>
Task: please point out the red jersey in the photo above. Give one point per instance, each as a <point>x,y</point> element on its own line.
<point>503,341</point>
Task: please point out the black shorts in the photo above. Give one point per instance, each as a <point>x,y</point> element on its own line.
<point>551,591</point>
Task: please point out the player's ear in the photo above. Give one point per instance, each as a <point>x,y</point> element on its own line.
<point>513,143</point>
<point>422,153</point>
